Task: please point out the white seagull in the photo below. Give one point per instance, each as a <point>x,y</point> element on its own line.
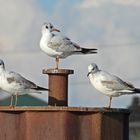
<point>14,84</point>
<point>59,46</point>
<point>109,84</point>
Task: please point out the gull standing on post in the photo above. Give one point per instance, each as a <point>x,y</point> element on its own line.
<point>59,46</point>
<point>109,84</point>
<point>15,84</point>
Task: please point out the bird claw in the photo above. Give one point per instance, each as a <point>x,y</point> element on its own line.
<point>11,106</point>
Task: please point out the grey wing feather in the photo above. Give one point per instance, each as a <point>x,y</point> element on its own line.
<point>62,43</point>
<point>115,83</point>
<point>15,77</point>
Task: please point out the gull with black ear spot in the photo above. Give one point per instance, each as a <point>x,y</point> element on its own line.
<point>58,46</point>
<point>109,84</point>
<point>15,84</point>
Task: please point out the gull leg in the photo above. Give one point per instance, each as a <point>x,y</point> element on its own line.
<point>110,99</point>
<point>57,62</point>
<point>16,99</point>
<point>11,101</point>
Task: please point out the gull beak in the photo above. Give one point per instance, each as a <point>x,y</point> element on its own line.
<point>88,74</point>
<point>54,29</point>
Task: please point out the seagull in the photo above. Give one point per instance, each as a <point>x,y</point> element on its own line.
<point>15,84</point>
<point>58,46</point>
<point>109,84</point>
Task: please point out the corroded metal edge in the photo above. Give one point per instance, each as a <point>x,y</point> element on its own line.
<point>57,71</point>
<point>65,109</point>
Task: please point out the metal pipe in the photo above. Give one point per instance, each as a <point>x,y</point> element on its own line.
<point>58,86</point>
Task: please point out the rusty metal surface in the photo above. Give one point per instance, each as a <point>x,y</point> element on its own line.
<point>64,124</point>
<point>58,71</point>
<point>58,86</point>
<point>118,124</point>
<point>8,125</point>
<point>65,108</point>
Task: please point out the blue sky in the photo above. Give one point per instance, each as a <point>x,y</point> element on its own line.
<point>112,26</point>
<point>48,5</point>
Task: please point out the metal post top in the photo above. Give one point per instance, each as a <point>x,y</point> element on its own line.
<point>58,71</point>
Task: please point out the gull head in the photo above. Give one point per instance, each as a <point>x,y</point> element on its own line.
<point>2,64</point>
<point>92,68</point>
<point>48,27</point>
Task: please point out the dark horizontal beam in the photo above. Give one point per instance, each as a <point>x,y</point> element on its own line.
<point>63,108</point>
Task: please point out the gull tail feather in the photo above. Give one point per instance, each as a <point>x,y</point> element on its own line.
<point>40,88</point>
<point>80,50</point>
<point>137,90</point>
<point>88,51</point>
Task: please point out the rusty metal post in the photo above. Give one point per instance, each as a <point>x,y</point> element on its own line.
<point>63,123</point>
<point>58,86</point>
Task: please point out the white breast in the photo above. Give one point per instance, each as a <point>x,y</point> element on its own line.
<point>96,82</point>
<point>44,47</point>
<point>12,88</point>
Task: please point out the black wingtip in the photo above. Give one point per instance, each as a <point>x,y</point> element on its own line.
<point>137,90</point>
<point>89,51</point>
<point>41,88</point>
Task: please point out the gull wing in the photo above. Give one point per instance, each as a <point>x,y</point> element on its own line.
<point>15,78</point>
<point>63,44</point>
<point>115,83</point>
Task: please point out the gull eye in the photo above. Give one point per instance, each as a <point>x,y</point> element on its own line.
<point>51,26</point>
<point>46,27</point>
<point>93,68</point>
